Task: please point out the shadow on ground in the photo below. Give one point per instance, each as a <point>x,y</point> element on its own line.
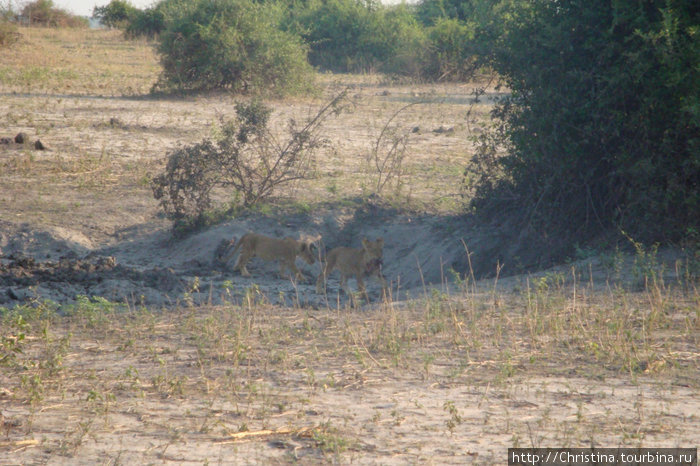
<point>154,268</point>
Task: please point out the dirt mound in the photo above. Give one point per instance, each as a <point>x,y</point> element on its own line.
<point>151,267</point>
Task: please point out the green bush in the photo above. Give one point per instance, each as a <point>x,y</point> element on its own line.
<point>407,43</point>
<point>231,44</point>
<point>116,14</point>
<point>341,35</point>
<point>603,121</point>
<point>429,12</point>
<point>452,54</point>
<point>356,35</point>
<point>146,23</point>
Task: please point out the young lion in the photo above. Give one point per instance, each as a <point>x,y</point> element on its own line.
<point>366,261</point>
<point>283,250</point>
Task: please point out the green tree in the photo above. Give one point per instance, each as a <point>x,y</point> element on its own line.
<point>601,126</point>
<point>116,14</point>
<point>359,35</point>
<point>453,54</point>
<point>146,23</point>
<point>430,11</point>
<point>233,44</point>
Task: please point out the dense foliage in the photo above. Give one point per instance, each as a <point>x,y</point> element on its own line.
<point>340,35</point>
<point>146,23</point>
<point>602,129</point>
<point>116,14</point>
<point>358,35</point>
<point>234,44</point>
<point>599,131</point>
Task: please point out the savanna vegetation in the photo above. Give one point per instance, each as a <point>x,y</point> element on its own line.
<point>595,133</point>
<point>598,133</point>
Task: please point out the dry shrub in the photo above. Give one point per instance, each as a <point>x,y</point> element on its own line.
<point>8,34</point>
<point>247,158</point>
<point>44,13</point>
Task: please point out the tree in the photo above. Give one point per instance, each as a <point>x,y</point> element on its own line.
<point>233,44</point>
<point>116,14</point>
<point>602,123</point>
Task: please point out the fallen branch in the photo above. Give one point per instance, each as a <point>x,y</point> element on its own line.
<point>20,443</point>
<point>300,432</point>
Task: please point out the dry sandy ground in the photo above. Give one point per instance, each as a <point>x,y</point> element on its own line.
<point>263,384</point>
<point>190,363</point>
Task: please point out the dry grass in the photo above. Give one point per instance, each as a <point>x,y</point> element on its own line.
<point>552,364</point>
<point>77,62</point>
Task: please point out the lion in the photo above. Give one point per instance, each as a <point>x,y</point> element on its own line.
<point>363,262</point>
<point>285,251</point>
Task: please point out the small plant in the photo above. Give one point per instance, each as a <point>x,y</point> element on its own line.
<point>92,312</point>
<point>328,439</point>
<point>388,153</point>
<point>645,269</point>
<point>34,386</point>
<point>455,418</point>
<point>12,344</point>
<point>53,352</point>
<point>100,402</point>
<point>613,262</point>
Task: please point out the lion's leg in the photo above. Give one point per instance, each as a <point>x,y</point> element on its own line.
<point>241,263</point>
<point>381,279</point>
<point>360,283</point>
<point>292,267</point>
<point>344,284</point>
<point>297,273</point>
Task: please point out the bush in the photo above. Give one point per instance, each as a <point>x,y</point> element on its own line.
<point>8,33</point>
<point>146,23</point>
<point>407,42</point>
<point>602,124</point>
<point>429,12</point>
<point>354,35</point>
<point>44,13</point>
<point>247,159</point>
<point>452,54</point>
<point>116,14</point>
<point>232,44</point>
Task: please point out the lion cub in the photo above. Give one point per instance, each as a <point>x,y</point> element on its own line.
<point>283,250</point>
<point>366,261</point>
